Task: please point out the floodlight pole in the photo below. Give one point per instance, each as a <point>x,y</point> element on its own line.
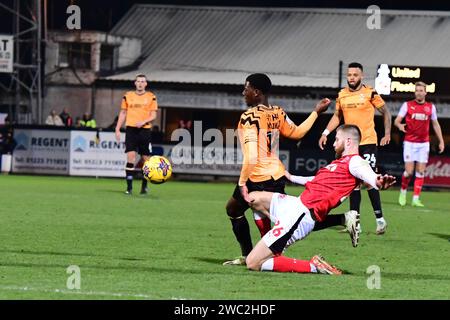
<point>27,74</point>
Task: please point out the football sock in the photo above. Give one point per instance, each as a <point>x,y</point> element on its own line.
<point>374,196</point>
<point>330,221</point>
<point>406,178</point>
<point>285,264</point>
<point>355,200</point>
<point>144,184</point>
<point>129,172</point>
<point>262,222</point>
<point>241,231</point>
<point>418,183</point>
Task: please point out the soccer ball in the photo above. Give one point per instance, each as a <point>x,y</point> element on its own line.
<point>157,169</point>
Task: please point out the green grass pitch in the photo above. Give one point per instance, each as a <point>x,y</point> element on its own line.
<point>171,245</point>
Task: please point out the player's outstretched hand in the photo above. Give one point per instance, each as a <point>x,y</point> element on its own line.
<point>322,105</point>
<point>322,141</point>
<point>385,140</point>
<point>385,181</point>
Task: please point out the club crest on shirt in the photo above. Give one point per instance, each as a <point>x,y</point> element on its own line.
<point>331,167</point>
<point>426,109</point>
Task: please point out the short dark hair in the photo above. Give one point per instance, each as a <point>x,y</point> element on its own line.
<point>141,75</point>
<point>260,81</point>
<point>356,65</point>
<point>351,129</point>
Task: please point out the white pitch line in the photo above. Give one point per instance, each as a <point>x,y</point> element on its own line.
<point>79,292</point>
<point>411,211</point>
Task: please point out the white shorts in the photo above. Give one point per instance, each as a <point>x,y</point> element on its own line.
<point>416,151</point>
<point>292,222</point>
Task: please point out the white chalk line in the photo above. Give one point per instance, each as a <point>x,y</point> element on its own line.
<point>87,293</point>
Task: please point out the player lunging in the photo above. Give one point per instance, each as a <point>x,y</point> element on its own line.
<point>295,217</point>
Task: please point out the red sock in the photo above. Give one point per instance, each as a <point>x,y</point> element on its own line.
<point>263,225</point>
<point>418,183</point>
<point>285,264</point>
<point>405,182</point>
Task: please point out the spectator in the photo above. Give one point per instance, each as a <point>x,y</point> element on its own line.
<point>7,142</point>
<point>53,119</point>
<point>185,124</point>
<point>87,121</point>
<point>77,122</point>
<point>66,118</point>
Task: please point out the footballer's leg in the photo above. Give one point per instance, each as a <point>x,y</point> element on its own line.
<point>129,170</point>
<point>145,152</point>
<point>236,212</point>
<point>293,223</point>
<point>406,178</point>
<point>418,183</point>
<point>260,202</point>
<point>144,189</point>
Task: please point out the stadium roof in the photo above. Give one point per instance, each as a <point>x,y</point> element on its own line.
<point>297,47</point>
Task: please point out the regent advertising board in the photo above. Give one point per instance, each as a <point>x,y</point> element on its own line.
<point>88,153</point>
<point>97,154</point>
<point>437,173</point>
<point>41,151</point>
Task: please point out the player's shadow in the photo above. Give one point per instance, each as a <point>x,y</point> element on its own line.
<point>440,235</point>
<point>136,194</point>
<point>54,253</point>
<point>210,260</point>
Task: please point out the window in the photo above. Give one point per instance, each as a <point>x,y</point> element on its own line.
<point>76,55</point>
<point>107,58</point>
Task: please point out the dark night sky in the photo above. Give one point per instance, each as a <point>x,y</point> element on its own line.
<point>103,14</point>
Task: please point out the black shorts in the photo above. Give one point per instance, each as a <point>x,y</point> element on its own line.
<point>369,152</point>
<point>268,185</point>
<point>139,140</point>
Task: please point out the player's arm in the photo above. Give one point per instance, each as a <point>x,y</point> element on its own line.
<point>288,128</point>
<point>401,114</point>
<point>297,179</point>
<point>379,104</point>
<point>361,170</point>
<point>249,144</point>
<point>387,119</point>
<point>122,117</point>
<point>332,125</point>
<point>437,129</point>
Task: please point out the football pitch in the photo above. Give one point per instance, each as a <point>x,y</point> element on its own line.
<point>171,244</point>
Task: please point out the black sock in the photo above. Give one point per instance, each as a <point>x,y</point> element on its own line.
<point>374,196</point>
<point>355,200</point>
<point>129,172</point>
<point>330,221</point>
<point>144,184</point>
<point>241,230</point>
